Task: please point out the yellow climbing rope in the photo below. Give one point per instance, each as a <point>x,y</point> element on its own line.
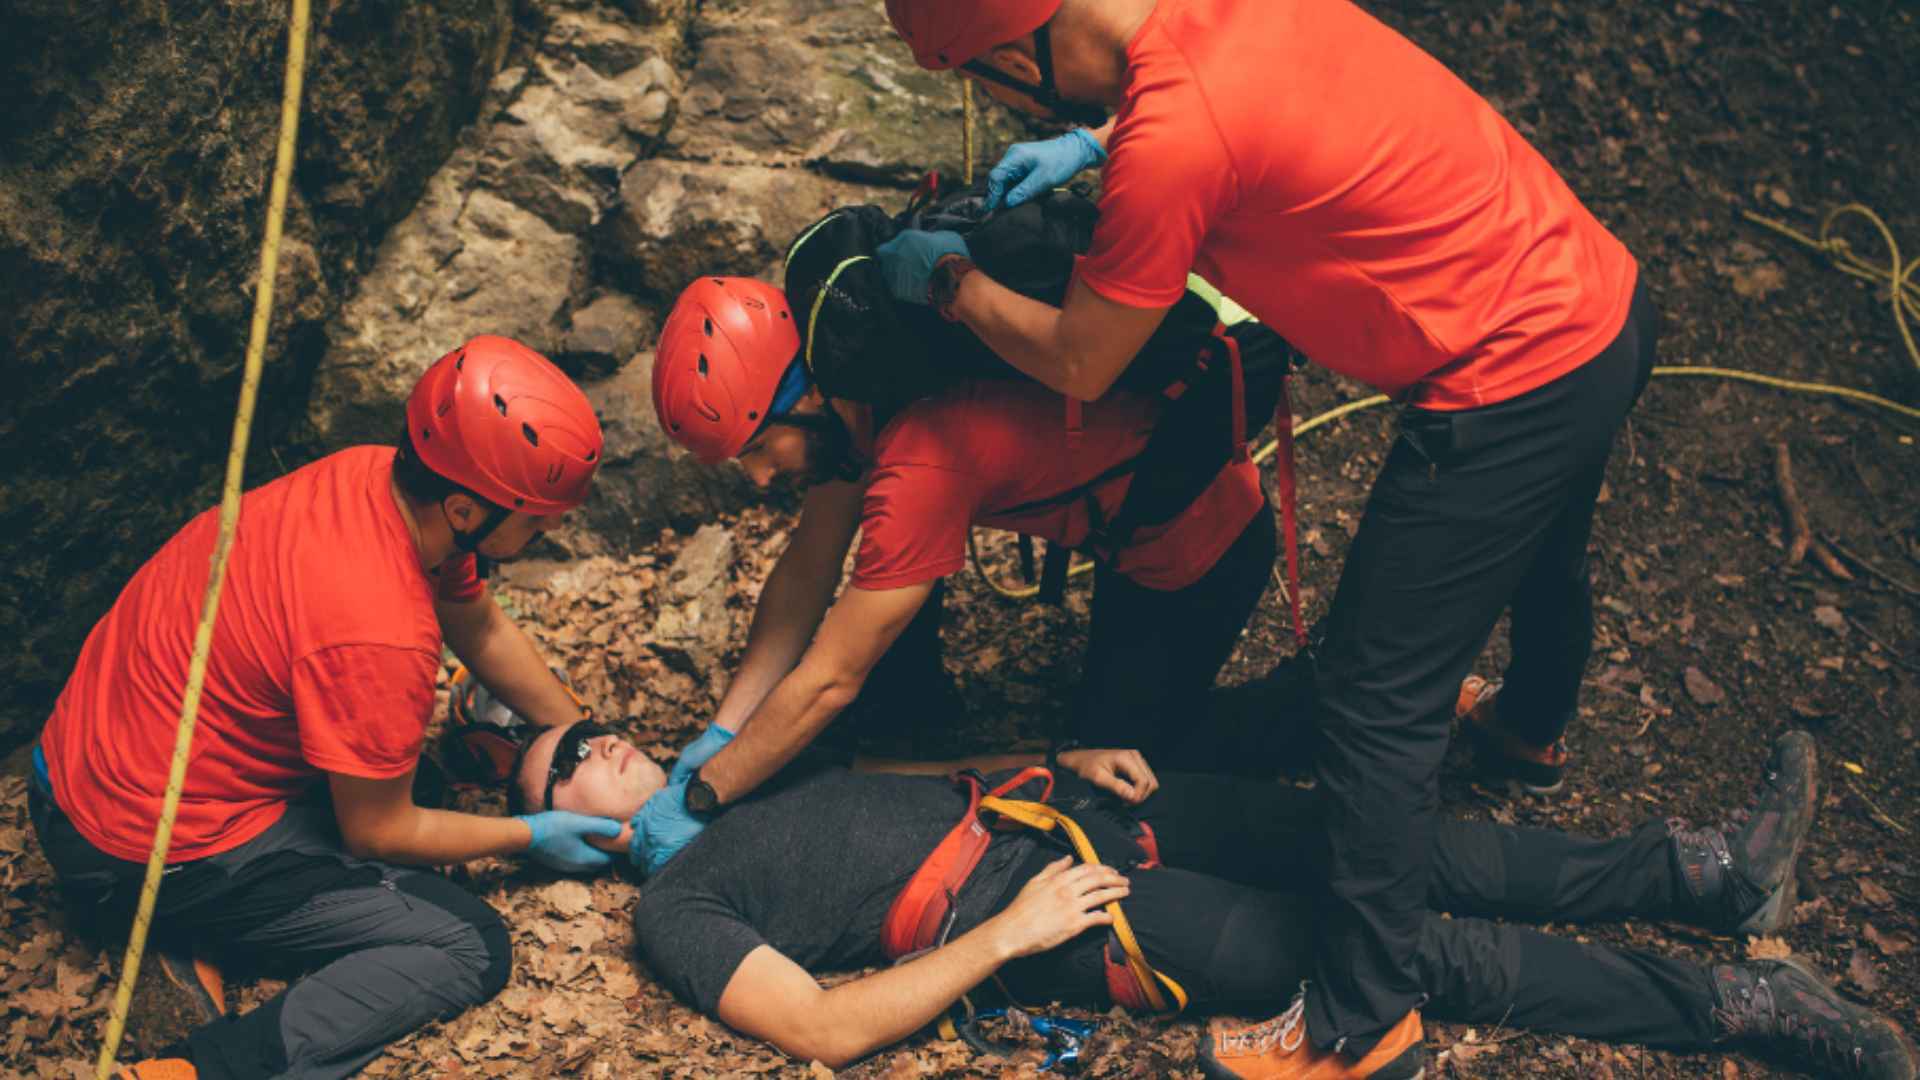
<point>967,121</point>
<point>229,519</point>
<point>1898,276</point>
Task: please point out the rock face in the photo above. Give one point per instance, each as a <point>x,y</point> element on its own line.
<point>692,629</point>
<point>553,170</point>
<point>134,165</point>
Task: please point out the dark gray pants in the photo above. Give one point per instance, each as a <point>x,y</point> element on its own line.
<point>390,948</point>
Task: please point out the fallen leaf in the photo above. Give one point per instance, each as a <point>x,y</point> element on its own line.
<point>1872,893</point>
<point>819,1070</point>
<point>1830,618</point>
<point>1768,948</point>
<point>1729,1071</point>
<point>568,898</point>
<point>1888,944</point>
<point>1731,581</point>
<point>1861,970</point>
<point>1702,689</point>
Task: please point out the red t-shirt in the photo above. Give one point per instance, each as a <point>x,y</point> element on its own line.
<point>324,656</point>
<point>946,464</point>
<point>1354,195</point>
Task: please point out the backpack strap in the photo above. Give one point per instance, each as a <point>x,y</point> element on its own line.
<point>1283,467</point>
<point>1053,574</point>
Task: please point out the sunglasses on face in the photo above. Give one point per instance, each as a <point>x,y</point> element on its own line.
<point>572,750</point>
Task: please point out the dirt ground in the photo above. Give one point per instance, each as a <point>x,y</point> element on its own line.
<point>1668,120</point>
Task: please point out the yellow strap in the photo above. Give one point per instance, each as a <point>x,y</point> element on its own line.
<point>820,298</point>
<point>1040,816</point>
<point>229,520</point>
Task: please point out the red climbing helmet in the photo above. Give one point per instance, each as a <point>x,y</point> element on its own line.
<point>945,33</point>
<point>721,357</point>
<point>500,420</point>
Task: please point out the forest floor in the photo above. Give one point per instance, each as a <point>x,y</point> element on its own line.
<point>1709,639</point>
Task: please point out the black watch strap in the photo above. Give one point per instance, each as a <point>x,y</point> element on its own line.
<point>1054,752</point>
<point>701,800</point>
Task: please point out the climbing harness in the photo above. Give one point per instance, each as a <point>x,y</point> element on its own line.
<point>223,547</point>
<point>922,915</point>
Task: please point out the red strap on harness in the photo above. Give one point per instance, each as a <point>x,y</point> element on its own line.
<point>1283,466</point>
<point>1238,378</point>
<point>919,914</point>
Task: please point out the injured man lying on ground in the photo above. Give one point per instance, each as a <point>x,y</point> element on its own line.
<point>835,868</point>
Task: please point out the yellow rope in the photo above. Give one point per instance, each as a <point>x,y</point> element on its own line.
<point>229,519</point>
<point>1902,290</point>
<point>967,121</point>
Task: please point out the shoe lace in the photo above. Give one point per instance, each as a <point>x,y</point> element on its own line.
<point>1755,1014</point>
<point>1289,1027</point>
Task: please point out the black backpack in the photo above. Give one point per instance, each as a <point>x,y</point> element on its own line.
<point>860,344</point>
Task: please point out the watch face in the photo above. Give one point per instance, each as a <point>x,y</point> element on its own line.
<point>701,798</point>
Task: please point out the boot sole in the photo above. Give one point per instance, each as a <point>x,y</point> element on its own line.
<point>1213,1070</point>
<point>1773,915</point>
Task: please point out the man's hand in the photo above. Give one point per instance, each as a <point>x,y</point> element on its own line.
<point>560,840</point>
<point>1034,168</point>
<point>1057,904</point>
<point>907,261</point>
<point>662,827</point>
<point>697,752</point>
<point>1123,772</point>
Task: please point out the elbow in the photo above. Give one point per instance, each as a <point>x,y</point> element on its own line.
<point>365,847</point>
<point>1084,380</point>
<point>833,1048</point>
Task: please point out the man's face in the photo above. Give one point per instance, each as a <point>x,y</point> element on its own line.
<point>610,776</point>
<point>511,537</point>
<point>798,454</point>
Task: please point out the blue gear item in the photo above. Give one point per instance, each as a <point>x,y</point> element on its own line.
<point>1065,1039</point>
<point>559,840</point>
<point>696,753</point>
<point>907,261</point>
<point>1034,168</point>
<point>662,827</point>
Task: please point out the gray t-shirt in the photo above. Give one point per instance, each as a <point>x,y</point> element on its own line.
<point>810,868</point>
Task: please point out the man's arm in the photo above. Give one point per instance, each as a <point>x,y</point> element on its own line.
<point>505,660</point>
<point>1078,350</point>
<point>794,598</point>
<point>378,820</point>
<point>772,998</point>
<point>856,632</point>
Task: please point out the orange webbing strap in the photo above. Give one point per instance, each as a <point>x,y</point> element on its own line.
<point>1045,818</point>
<point>1283,471</point>
<point>1238,376</point>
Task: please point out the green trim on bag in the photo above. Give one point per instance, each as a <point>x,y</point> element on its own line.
<point>1228,312</point>
<point>820,297</point>
<point>805,236</point>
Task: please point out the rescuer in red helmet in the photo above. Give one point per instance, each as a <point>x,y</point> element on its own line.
<point>297,837</point>
<point>1369,207</point>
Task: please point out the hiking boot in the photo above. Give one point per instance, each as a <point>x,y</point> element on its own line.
<point>158,1069</point>
<point>1501,758</point>
<point>1277,1049</point>
<point>1739,874</point>
<point>1780,1008</point>
<point>177,991</point>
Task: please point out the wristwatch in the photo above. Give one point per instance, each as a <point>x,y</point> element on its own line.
<point>701,800</point>
<point>944,287</point>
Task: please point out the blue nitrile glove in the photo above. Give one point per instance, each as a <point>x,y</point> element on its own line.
<point>662,827</point>
<point>1033,168</point>
<point>696,753</point>
<point>907,261</point>
<point>559,840</point>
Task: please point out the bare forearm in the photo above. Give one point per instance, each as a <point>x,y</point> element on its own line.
<point>422,837</point>
<point>860,1017</point>
<point>1022,331</point>
<point>797,710</point>
<point>508,663</point>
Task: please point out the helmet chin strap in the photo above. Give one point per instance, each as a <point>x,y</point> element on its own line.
<point>1047,94</point>
<point>470,541</point>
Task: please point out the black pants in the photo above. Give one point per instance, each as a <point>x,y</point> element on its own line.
<point>392,948</point>
<point>1473,512</point>
<point>1232,918</point>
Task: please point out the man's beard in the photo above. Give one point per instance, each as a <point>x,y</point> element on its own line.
<point>829,446</point>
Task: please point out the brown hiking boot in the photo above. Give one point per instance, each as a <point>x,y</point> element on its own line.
<point>158,1069</point>
<point>1781,1009</point>
<point>177,990</point>
<point>1501,758</point>
<point>1739,874</point>
<point>1278,1049</point>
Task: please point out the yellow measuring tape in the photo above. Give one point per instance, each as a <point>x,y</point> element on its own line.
<point>1037,815</point>
<point>229,519</point>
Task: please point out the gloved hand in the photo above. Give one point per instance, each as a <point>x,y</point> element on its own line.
<point>662,827</point>
<point>559,840</point>
<point>907,261</point>
<point>1034,168</point>
<point>696,753</point>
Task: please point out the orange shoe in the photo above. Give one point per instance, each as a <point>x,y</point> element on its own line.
<point>1501,757</point>
<point>158,1069</point>
<point>1278,1050</point>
